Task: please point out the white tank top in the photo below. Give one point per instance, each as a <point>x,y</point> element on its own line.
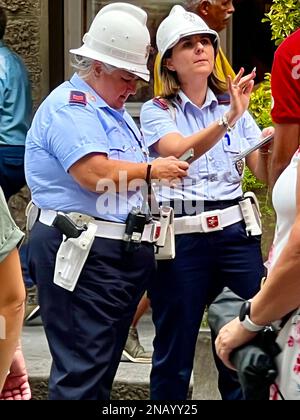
<point>284,201</point>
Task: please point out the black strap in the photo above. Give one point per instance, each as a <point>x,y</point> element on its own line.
<point>148,178</point>
<point>149,200</point>
<point>278,390</point>
<point>146,191</point>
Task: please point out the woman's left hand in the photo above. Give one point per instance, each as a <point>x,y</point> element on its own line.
<point>240,89</point>
<point>267,148</point>
<point>231,336</point>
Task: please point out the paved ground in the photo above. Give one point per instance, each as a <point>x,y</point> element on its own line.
<point>132,379</point>
<point>39,360</point>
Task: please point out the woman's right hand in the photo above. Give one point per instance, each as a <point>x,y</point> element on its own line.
<point>240,89</point>
<point>230,337</point>
<point>168,169</point>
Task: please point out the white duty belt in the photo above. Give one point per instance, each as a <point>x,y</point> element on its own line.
<point>208,221</point>
<point>109,230</point>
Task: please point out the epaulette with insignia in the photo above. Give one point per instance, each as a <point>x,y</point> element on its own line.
<point>165,104</point>
<point>161,103</point>
<point>223,99</point>
<point>77,97</point>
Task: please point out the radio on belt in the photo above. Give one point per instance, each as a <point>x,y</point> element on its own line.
<point>134,228</point>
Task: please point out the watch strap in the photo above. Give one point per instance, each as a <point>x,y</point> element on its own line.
<point>250,325</point>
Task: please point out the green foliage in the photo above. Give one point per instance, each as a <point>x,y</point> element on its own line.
<point>250,183</point>
<point>284,18</point>
<point>260,104</point>
<point>260,108</point>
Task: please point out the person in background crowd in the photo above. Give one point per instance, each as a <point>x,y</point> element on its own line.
<point>133,349</point>
<point>13,376</point>
<point>281,292</point>
<point>93,163</point>
<point>15,117</point>
<point>213,248</point>
<point>286,107</point>
<point>216,14</point>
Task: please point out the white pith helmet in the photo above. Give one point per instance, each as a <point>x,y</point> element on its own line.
<point>119,36</point>
<point>178,24</point>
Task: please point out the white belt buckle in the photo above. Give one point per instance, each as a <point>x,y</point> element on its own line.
<point>211,221</point>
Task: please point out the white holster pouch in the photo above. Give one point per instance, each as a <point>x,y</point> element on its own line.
<point>31,213</point>
<point>165,245</point>
<point>71,257</point>
<point>250,209</point>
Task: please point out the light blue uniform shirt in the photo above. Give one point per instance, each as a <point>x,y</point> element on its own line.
<point>15,98</point>
<point>213,176</point>
<point>63,132</point>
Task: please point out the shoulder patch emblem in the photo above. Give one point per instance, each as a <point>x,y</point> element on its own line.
<point>223,99</point>
<point>77,97</point>
<point>161,103</point>
<point>166,105</point>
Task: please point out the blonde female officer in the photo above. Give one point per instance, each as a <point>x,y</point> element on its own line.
<point>213,249</point>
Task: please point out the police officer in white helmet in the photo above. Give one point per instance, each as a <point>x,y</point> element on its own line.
<point>91,247</point>
<point>214,247</point>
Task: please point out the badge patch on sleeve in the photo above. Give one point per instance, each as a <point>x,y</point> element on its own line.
<point>77,97</point>
<point>240,166</point>
<point>160,102</point>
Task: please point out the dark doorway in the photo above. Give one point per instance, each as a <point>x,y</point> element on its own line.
<point>56,43</point>
<point>252,45</point>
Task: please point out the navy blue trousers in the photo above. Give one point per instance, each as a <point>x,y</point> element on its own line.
<point>205,263</point>
<point>12,177</point>
<point>87,329</point>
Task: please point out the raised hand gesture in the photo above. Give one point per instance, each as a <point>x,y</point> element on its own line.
<point>240,89</point>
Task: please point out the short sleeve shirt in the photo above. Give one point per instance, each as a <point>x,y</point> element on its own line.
<point>10,234</point>
<point>213,176</point>
<point>71,123</point>
<point>15,98</point>
<point>285,81</point>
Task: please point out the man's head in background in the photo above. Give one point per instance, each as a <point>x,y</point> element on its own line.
<point>215,13</point>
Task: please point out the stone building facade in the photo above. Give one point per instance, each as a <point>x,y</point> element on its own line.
<point>26,35</point>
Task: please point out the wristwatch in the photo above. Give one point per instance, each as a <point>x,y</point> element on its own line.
<point>245,320</point>
<point>223,121</point>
